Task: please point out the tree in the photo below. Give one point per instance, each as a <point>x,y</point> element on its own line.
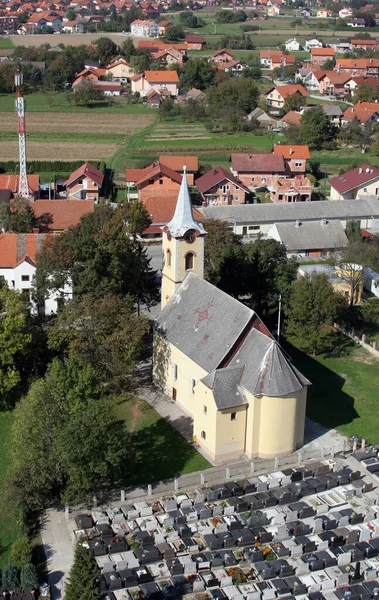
<point>293,102</point>
<point>104,333</point>
<point>366,92</point>
<point>18,217</point>
<point>21,552</point>
<point>313,308</point>
<point>175,34</point>
<point>11,580</point>
<point>84,94</point>
<point>237,94</point>
<point>353,231</point>
<point>315,128</point>
<point>329,64</point>
<point>29,577</point>
<point>231,16</point>
<point>354,133</point>
<point>188,19</point>
<point>105,50</point>
<point>15,341</point>
<point>219,235</point>
<point>197,73</point>
<point>253,64</point>
<point>84,580</point>
<point>71,15</point>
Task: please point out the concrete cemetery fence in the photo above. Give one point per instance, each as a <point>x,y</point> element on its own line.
<point>360,338</point>
<point>216,475</point>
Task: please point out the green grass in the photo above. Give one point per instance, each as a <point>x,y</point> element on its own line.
<point>160,451</point>
<point>51,102</point>
<point>67,136</point>
<point>344,391</point>
<point>10,528</point>
<point>6,43</point>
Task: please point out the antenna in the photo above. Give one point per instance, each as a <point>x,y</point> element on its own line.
<point>23,186</point>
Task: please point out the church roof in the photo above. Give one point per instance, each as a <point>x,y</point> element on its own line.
<point>183,219</point>
<point>226,389</point>
<point>203,322</point>
<point>226,339</point>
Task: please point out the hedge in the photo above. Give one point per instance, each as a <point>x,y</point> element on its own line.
<point>39,166</point>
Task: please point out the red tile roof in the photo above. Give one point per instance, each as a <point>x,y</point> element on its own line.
<point>62,213</point>
<point>257,163</point>
<point>158,168</point>
<point>354,178</point>
<point>161,211</point>
<point>176,163</point>
<point>17,247</point>
<point>289,151</point>
<point>289,90</point>
<point>11,182</point>
<point>86,170</point>
<point>216,176</point>
<point>362,110</point>
<point>292,117</point>
<point>195,39</point>
<point>133,175</point>
<point>322,52</point>
<point>161,76</point>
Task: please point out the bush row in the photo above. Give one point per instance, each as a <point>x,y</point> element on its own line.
<point>38,166</point>
<point>199,150</point>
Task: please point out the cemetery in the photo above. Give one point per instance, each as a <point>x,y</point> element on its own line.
<point>306,532</point>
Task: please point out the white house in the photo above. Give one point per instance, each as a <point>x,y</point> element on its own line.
<point>371,282</point>
<point>344,13</point>
<point>292,45</point>
<point>362,181</point>
<point>312,43</point>
<point>144,28</point>
<point>18,266</point>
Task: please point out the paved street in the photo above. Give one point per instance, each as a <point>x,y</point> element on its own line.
<point>57,544</point>
<point>155,253</point>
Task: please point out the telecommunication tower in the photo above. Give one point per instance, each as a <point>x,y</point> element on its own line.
<point>23,186</point>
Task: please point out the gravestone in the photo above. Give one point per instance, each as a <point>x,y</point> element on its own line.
<point>344,559</point>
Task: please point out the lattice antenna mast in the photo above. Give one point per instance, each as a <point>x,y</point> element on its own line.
<point>23,187</point>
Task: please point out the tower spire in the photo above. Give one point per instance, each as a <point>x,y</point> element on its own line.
<point>183,219</point>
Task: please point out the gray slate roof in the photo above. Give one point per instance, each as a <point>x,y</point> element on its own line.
<point>202,321</point>
<point>226,389</point>
<point>205,324</point>
<point>312,236</point>
<point>302,211</point>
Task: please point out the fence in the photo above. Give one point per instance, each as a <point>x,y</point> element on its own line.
<point>216,475</point>
<point>361,339</point>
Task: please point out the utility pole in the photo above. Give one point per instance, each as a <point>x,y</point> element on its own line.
<point>279,316</point>
<point>23,186</point>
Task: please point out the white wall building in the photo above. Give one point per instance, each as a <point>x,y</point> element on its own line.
<point>144,28</point>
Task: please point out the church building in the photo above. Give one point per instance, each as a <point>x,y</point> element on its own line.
<point>216,359</point>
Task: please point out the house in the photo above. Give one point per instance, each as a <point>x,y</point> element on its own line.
<point>222,56</point>
<point>257,170</point>
<point>297,189</point>
<point>75,26</point>
<point>263,118</point>
<point>358,66</point>
<point>369,44</point>
<point>292,45</point>
<point>212,355</point>
<point>292,118</point>
<point>89,74</point>
<point>344,13</point>
<point>42,20</point>
<point>371,282</point>
<point>156,180</point>
<point>119,69</point>
<point>181,164</point>
<point>341,45</point>
<point>276,96</point>
<point>155,80</point>
<point>274,59</point>
<point>340,279</point>
<point>309,239</point>
<point>84,183</point>
<point>356,22</point>
<point>195,95</point>
<point>12,183</point>
<point>219,187</point>
<point>312,43</point>
<point>319,56</point>
<point>18,253</point>
<point>306,12</point>
<point>329,82</point>
<point>164,25</point>
<point>365,112</point>
<point>333,112</point>
<point>161,213</point>
<point>156,45</point>
<point>354,82</point>
<point>295,157</point>
<point>323,13</point>
<point>251,220</point>
<point>195,42</point>
<point>108,88</point>
<point>362,181</point>
<point>154,98</point>
<point>165,58</point>
<point>144,28</point>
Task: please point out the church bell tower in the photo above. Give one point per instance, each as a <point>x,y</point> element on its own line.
<point>182,245</point>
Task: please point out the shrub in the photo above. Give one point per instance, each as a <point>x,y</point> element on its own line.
<point>29,577</point>
<point>11,579</point>
<point>21,552</point>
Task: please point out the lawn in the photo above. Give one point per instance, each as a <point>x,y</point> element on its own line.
<point>344,392</point>
<point>160,451</point>
<point>58,102</point>
<point>6,43</point>
<point>10,528</point>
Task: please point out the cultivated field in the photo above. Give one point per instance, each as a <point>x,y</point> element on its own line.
<point>77,122</point>
<point>75,39</point>
<point>58,151</point>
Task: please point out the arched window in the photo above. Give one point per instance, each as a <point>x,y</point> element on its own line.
<point>168,258</point>
<point>189,261</point>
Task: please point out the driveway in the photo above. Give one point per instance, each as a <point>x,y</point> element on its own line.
<point>58,549</point>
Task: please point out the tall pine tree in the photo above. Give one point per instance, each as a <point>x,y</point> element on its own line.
<point>84,582</point>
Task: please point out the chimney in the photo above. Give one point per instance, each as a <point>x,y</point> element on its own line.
<point>368,170</point>
<point>359,170</point>
<point>297,224</point>
<point>291,151</point>
<point>338,68</point>
<point>35,230</point>
<point>324,222</point>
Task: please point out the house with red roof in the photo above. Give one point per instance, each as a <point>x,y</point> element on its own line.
<point>273,59</point>
<point>257,170</point>
<point>119,69</point>
<point>84,183</point>
<point>292,118</point>
<point>162,213</point>
<point>18,253</point>
<point>354,82</point>
<point>180,163</point>
<point>156,180</point>
<point>296,189</point>
<point>358,66</point>
<point>195,42</point>
<point>319,56</point>
<point>277,96</point>
<point>12,183</point>
<point>155,80</point>
<point>362,181</point>
<point>365,112</point>
<point>219,187</point>
<point>295,157</point>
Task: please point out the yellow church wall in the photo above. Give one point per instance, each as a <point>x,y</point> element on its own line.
<point>224,437</point>
<point>174,263</point>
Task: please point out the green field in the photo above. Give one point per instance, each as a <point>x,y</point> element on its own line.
<point>6,43</point>
<point>10,528</point>
<point>58,102</point>
<point>344,391</point>
<point>161,452</point>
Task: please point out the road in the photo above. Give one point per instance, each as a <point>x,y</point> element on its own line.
<point>58,547</point>
<point>155,253</point>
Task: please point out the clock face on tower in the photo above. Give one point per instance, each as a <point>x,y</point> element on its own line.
<point>190,236</point>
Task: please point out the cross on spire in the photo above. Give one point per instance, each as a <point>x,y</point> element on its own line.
<point>183,219</point>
